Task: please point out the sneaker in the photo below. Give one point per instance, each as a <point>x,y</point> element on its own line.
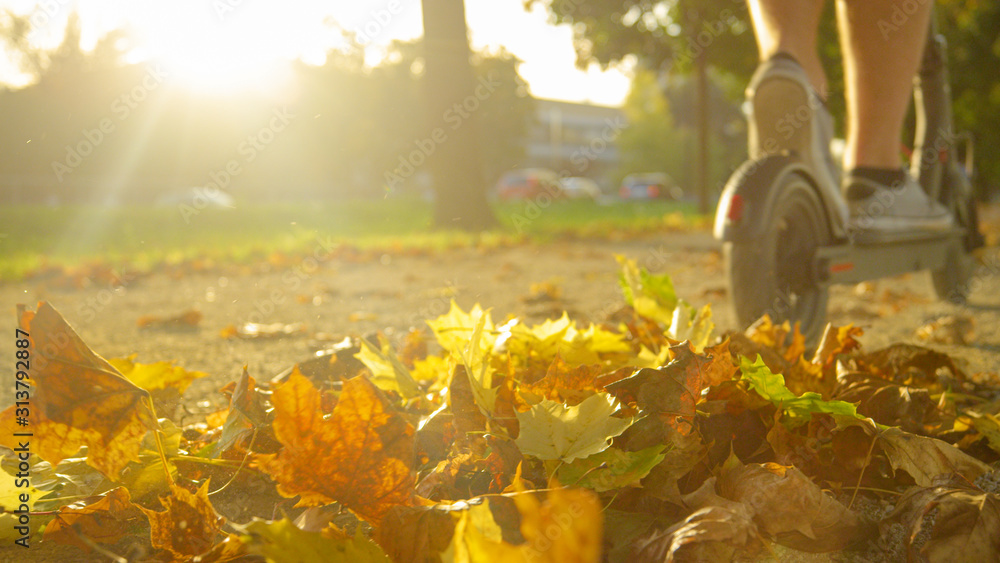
<point>900,209</point>
<point>786,114</point>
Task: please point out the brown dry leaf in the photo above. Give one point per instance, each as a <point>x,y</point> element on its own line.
<point>913,365</point>
<point>925,458</point>
<point>565,383</point>
<point>414,347</point>
<point>360,456</point>
<point>187,319</point>
<point>104,520</point>
<point>338,362</point>
<point>713,533</point>
<point>674,389</point>
<point>468,417</point>
<point>884,401</point>
<point>775,337</point>
<point>951,329</point>
<point>79,400</point>
<point>789,507</point>
<point>187,526</point>
<point>415,534</point>
<point>836,340</point>
<point>246,413</point>
<point>966,526</point>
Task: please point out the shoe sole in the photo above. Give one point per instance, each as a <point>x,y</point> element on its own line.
<point>776,105</point>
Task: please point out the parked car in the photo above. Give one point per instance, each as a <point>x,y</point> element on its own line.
<point>578,187</point>
<point>528,183</point>
<point>652,185</point>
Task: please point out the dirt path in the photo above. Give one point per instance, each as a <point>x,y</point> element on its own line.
<point>395,292</point>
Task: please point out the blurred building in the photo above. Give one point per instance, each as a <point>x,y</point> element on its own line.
<point>575,140</point>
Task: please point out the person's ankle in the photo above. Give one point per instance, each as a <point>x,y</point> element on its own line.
<point>887,177</point>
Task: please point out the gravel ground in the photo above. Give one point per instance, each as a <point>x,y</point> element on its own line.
<point>392,293</point>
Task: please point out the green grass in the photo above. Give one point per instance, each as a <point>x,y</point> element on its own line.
<point>143,236</point>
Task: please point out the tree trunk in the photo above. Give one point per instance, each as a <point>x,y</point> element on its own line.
<point>453,158</point>
<point>704,146</point>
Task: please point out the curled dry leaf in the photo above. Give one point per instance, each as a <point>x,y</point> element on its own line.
<point>713,533</point>
<point>103,520</point>
<point>79,400</point>
<point>836,340</point>
<point>187,526</point>
<point>675,388</point>
<point>360,456</point>
<point>884,401</point>
<point>415,534</point>
<point>789,507</point>
<point>925,458</point>
<point>966,526</point>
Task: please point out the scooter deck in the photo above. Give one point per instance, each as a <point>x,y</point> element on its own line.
<point>907,252</point>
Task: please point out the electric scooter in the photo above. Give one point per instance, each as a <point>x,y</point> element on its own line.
<point>786,237</point>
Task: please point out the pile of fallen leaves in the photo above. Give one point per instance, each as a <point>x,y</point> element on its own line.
<point>646,438</point>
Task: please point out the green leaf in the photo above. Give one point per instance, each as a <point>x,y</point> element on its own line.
<point>651,295</point>
<point>388,373</point>
<point>282,540</point>
<point>771,387</point>
<point>552,430</point>
<point>611,469</point>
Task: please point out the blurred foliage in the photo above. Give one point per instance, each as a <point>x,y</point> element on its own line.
<point>666,35</point>
<point>661,134</point>
<point>334,133</point>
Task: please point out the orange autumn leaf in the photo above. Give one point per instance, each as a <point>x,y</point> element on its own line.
<point>188,526</point>
<point>78,399</point>
<point>103,521</point>
<point>360,456</point>
<point>562,382</point>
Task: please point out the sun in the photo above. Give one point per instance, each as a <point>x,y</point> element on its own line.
<point>222,47</point>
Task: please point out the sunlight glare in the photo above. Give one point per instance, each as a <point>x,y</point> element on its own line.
<point>216,52</point>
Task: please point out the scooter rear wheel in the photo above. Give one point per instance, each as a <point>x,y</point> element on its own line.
<point>952,283</point>
<point>773,273</point>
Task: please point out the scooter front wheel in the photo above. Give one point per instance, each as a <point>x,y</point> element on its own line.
<point>773,273</point>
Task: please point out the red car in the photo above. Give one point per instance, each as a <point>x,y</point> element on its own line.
<point>528,183</point>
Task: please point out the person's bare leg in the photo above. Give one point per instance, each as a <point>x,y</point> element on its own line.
<point>790,26</point>
<point>881,56</point>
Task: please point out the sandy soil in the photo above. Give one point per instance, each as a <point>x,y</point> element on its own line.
<point>393,293</point>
